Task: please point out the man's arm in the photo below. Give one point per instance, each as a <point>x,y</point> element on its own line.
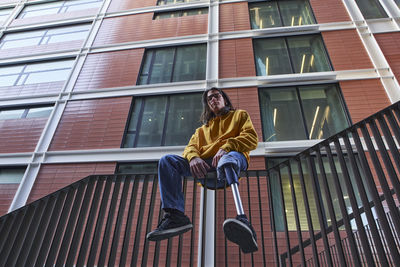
<point>247,140</point>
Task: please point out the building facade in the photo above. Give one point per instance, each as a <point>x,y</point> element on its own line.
<point>102,87</point>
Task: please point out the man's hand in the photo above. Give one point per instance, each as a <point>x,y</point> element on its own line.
<point>198,167</point>
<point>217,157</point>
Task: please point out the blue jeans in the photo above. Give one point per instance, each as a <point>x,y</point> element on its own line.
<point>172,168</point>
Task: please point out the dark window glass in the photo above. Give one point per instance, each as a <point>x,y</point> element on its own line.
<point>181,13</point>
<point>173,2</point>
<point>163,120</point>
<point>174,64</point>
<point>11,175</point>
<point>138,168</point>
<point>320,193</point>
<point>32,112</point>
<point>371,9</point>
<point>397,2</point>
<point>268,14</point>
<point>302,112</point>
<point>44,36</point>
<point>58,7</point>
<point>295,54</point>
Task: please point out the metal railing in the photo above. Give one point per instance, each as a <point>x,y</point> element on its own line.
<point>325,206</point>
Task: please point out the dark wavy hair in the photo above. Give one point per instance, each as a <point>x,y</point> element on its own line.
<point>207,114</point>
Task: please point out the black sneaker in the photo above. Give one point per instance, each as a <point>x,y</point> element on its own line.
<point>241,232</point>
<point>171,225</point>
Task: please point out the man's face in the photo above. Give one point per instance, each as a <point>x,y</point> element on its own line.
<point>215,101</point>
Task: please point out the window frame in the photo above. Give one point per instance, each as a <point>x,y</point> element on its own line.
<point>25,112</point>
<point>292,67</point>
<point>383,14</point>
<point>14,168</point>
<point>299,99</point>
<point>180,13</point>
<point>280,14</point>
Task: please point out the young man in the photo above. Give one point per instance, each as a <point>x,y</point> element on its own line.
<point>223,142</point>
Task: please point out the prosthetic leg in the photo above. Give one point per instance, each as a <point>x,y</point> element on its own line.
<point>239,230</point>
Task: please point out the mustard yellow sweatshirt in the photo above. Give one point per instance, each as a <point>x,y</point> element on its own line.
<point>233,131</point>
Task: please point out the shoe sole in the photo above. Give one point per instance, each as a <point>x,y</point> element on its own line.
<point>168,233</point>
<point>239,233</point>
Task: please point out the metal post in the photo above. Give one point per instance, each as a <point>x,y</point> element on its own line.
<point>236,197</point>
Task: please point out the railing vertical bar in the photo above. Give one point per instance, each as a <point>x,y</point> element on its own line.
<point>331,210</point>
<point>180,239</point>
<point>396,234</point>
<point>118,223</point>
<point>388,197</point>
<point>308,212</point>
<point>261,218</point>
<point>225,215</point>
<point>372,190</point>
<point>77,230</point>
<point>110,219</point>
<point>90,222</point>
<point>285,222</point>
<point>62,254</point>
<point>34,229</point>
<point>42,242</point>
<point>318,202</point>
<point>139,225</point>
<point>249,209</point>
<point>22,233</point>
<point>388,164</point>
<point>9,222</point>
<point>169,250</point>
<point>364,199</point>
<point>157,246</point>
<point>128,226</point>
<point>149,218</point>
<point>393,125</point>
<point>194,210</point>
<point>19,218</point>
<point>99,224</point>
<point>215,221</point>
<point>390,141</point>
<point>354,206</point>
<point>296,215</point>
<point>204,228</point>
<point>60,228</point>
<point>372,245</point>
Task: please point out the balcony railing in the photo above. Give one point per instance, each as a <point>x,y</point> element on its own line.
<point>327,206</point>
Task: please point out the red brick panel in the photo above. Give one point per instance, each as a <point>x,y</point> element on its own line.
<point>31,89</point>
<point>119,5</point>
<point>55,17</point>
<point>37,49</point>
<point>234,17</point>
<point>143,27</point>
<point>20,135</point>
<point>247,99</point>
<point>390,46</point>
<point>329,11</point>
<point>346,50</point>
<point>364,97</point>
<point>112,69</point>
<point>53,177</point>
<point>92,124</point>
<point>7,192</point>
<point>236,58</point>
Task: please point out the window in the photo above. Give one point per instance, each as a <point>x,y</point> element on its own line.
<point>58,7</point>
<point>280,13</point>
<point>295,54</point>
<point>180,13</point>
<point>138,168</point>
<point>397,2</point>
<point>172,2</point>
<point>174,64</point>
<point>35,73</point>
<point>4,13</point>
<point>11,175</point>
<point>31,112</point>
<point>287,195</point>
<point>371,9</point>
<point>302,112</point>
<point>163,120</point>
<point>45,36</point>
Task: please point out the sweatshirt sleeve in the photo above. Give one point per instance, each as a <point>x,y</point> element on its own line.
<point>192,149</point>
<point>247,140</point>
